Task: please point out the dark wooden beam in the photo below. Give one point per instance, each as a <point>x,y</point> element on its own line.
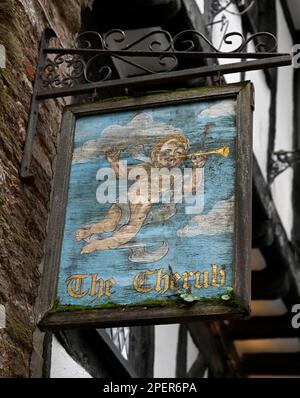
<point>95,352</point>
<point>292,297</point>
<point>47,355</point>
<point>78,346</point>
<point>262,328</point>
<point>198,368</point>
<point>280,253</point>
<point>271,364</point>
<point>114,361</point>
<point>289,19</point>
<point>181,355</point>
<point>296,179</point>
<point>262,232</point>
<point>141,350</point>
<point>270,284</point>
<point>213,355</point>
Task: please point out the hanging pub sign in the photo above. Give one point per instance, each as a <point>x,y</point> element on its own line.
<point>151,210</point>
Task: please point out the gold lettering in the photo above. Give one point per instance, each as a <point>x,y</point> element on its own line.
<point>76,291</point>
<point>175,278</point>
<point>140,281</point>
<point>186,276</point>
<point>198,280</point>
<point>75,286</point>
<point>206,280</point>
<point>159,278</point>
<point>108,284</point>
<point>96,283</point>
<point>215,274</point>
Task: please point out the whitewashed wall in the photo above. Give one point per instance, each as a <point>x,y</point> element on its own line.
<point>262,92</point>
<point>282,186</point>
<point>261,116</point>
<point>192,352</point>
<point>166,340</point>
<point>63,366</point>
<point>235,24</point>
<point>201,5</point>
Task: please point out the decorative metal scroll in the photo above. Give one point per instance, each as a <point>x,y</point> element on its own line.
<point>281,161</point>
<point>88,61</point>
<point>221,9</point>
<point>219,6</point>
<point>87,67</point>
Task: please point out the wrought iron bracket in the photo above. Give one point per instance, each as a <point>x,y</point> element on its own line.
<point>281,161</point>
<point>84,69</point>
<point>25,172</point>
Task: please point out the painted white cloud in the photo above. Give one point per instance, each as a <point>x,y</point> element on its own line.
<point>131,137</point>
<point>223,108</point>
<point>218,221</point>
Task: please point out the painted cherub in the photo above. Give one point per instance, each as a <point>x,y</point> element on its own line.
<point>168,153</point>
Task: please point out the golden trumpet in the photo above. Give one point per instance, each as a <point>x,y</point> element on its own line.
<point>222,152</point>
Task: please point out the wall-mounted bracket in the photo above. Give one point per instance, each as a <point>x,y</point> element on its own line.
<point>84,68</point>
<point>281,161</point>
<point>25,172</point>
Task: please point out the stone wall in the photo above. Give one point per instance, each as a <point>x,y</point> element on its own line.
<point>24,208</point>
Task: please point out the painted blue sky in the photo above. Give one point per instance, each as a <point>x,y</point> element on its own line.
<point>192,247</point>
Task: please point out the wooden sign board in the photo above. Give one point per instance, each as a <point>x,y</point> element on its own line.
<point>151,211</point>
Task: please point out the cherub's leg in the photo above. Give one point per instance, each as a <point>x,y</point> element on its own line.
<point>123,235</point>
<point>108,224</point>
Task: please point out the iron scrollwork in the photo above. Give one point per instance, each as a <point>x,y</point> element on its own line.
<point>86,67</point>
<point>87,61</point>
<point>281,161</point>
<point>222,8</point>
<point>219,6</point>
<point>74,70</point>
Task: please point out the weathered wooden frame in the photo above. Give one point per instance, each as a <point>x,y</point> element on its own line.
<point>93,318</point>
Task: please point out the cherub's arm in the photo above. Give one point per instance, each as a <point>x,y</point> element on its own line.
<point>113,158</point>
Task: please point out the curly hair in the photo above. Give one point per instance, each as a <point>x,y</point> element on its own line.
<point>171,137</point>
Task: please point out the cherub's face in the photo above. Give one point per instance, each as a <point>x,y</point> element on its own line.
<point>169,154</point>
